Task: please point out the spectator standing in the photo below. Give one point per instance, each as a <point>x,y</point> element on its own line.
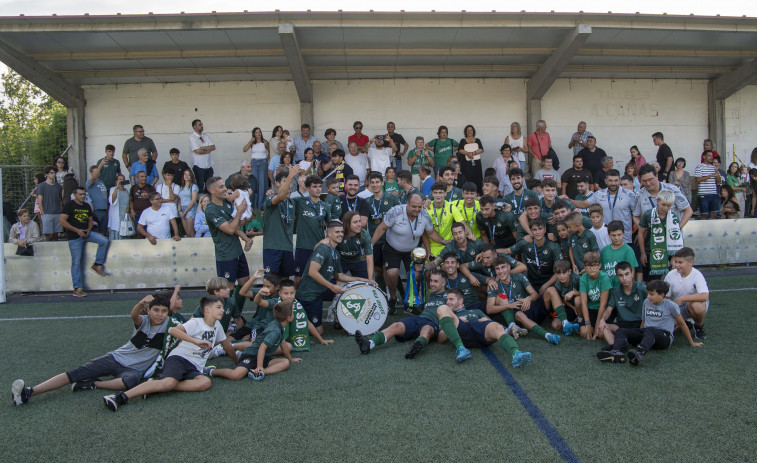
<point>442,147</point>
<point>633,172</point>
<point>245,170</point>
<point>201,224</point>
<point>144,165</point>
<point>664,156</point>
<point>188,202</point>
<point>77,219</point>
<point>539,143</point>
<point>357,161</point>
<point>118,199</point>
<point>139,141</point>
<point>399,145</point>
<point>500,168</point>
<point>360,140</point>
<point>177,165</point>
<point>637,157</point>
<point>573,176</point>
<point>98,194</point>
<point>681,178</point>
<point>607,163</point>
<point>111,168</point>
<point>139,196</point>
<point>578,140</point>
<point>733,179</point>
<point>277,136</point>
<point>469,152</point>
<point>708,182</point>
<point>592,157</point>
<point>305,140</point>
<point>418,157</point>
<point>275,161</point>
<point>202,147</point>
<point>259,161</point>
<point>61,164</point>
<point>517,144</point>
<point>707,145</point>
<point>380,153</point>
<point>50,195</point>
<point>326,147</point>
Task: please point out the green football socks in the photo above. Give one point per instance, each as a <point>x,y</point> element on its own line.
<point>539,331</point>
<point>448,326</point>
<point>239,300</point>
<point>507,343</point>
<point>560,311</point>
<point>378,338</point>
<point>509,316</point>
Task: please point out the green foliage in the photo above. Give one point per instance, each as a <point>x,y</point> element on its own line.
<point>32,124</point>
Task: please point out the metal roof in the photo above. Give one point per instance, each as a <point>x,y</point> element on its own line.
<point>339,45</point>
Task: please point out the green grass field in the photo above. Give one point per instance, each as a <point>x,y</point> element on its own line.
<point>684,404</point>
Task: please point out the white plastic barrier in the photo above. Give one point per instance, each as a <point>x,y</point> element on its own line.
<point>191,261</point>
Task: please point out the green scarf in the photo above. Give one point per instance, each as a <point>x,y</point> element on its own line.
<point>665,241</point>
<point>297,331</point>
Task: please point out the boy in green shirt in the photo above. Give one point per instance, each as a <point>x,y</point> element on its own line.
<point>219,287</point>
<point>625,304</point>
<point>582,241</point>
<point>595,289</point>
<point>332,200</point>
<point>618,251</point>
<point>583,195</point>
<point>311,218</point>
<point>257,360</point>
<point>561,291</point>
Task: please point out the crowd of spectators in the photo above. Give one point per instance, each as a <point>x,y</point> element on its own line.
<point>140,200</point>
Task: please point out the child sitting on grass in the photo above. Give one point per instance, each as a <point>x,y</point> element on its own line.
<point>185,366</point>
<point>257,360</point>
<point>126,364</point>
<point>660,317</point>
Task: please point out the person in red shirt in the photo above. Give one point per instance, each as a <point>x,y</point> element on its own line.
<point>539,144</point>
<point>362,140</point>
<point>707,146</point>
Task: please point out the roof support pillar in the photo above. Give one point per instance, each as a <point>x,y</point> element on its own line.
<point>542,80</point>
<point>299,70</point>
<point>717,91</point>
<point>77,155</point>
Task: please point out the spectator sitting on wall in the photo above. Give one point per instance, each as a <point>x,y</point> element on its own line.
<point>156,221</point>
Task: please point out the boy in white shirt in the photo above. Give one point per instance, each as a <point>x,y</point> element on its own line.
<point>169,191</point>
<point>185,366</point>
<point>689,290</point>
<point>596,215</point>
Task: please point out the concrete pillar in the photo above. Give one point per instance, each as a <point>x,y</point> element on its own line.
<point>306,115</point>
<point>716,118</point>
<point>77,155</point>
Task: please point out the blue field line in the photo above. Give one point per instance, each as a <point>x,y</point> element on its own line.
<point>546,427</point>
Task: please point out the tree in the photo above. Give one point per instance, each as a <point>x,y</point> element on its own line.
<point>32,124</point>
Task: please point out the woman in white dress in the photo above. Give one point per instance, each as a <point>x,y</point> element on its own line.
<point>517,145</point>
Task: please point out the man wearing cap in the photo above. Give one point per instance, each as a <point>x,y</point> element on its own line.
<point>404,225</point>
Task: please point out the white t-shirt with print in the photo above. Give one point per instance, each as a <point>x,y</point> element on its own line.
<point>198,329</point>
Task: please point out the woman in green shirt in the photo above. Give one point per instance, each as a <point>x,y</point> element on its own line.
<point>418,157</point>
<point>733,178</point>
<point>442,147</point>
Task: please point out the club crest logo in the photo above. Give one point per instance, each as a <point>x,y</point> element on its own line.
<point>658,254</point>
<point>352,305</point>
<point>675,235</point>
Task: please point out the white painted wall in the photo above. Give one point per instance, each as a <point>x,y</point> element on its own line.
<point>741,123</point>
<point>623,113</point>
<point>229,111</point>
<point>620,113</point>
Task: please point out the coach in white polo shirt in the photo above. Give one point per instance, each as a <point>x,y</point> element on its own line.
<point>201,145</point>
<point>156,221</point>
<point>405,225</point>
<point>617,202</point>
<point>651,187</point>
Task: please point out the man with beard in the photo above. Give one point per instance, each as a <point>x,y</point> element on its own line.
<point>618,203</point>
<point>350,201</point>
<point>520,193</point>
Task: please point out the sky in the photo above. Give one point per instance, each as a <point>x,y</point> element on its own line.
<point>48,7</point>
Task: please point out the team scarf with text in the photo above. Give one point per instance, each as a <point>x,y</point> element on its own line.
<point>297,332</point>
<point>665,241</point>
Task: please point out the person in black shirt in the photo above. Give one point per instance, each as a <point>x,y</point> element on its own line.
<point>350,202</point>
<point>76,219</point>
<point>664,156</point>
<point>178,166</point>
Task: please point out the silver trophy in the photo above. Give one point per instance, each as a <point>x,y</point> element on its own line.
<point>419,255</point>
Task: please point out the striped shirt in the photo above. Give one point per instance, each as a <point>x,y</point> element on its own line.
<point>709,186</point>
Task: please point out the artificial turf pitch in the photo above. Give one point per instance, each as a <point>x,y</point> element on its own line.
<point>683,404</point>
